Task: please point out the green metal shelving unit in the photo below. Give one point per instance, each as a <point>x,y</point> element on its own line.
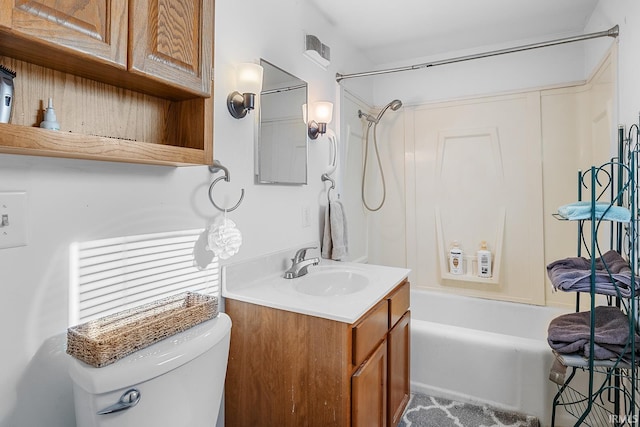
<point>610,398</point>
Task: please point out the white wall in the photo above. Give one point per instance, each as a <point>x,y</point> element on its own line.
<point>626,14</point>
<point>75,200</point>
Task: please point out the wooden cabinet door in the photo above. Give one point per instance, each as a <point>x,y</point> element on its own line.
<point>369,391</point>
<point>172,41</point>
<point>398,342</point>
<point>97,28</point>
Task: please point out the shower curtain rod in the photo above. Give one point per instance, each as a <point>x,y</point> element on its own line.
<point>612,32</point>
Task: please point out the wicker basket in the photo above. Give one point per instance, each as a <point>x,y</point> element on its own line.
<point>102,341</point>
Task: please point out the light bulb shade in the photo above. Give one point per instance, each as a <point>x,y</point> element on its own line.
<point>321,112</point>
<point>249,78</point>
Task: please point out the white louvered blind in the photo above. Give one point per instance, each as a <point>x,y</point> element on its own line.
<point>116,274</point>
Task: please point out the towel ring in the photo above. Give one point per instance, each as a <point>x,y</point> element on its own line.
<point>215,168</point>
<point>326,177</point>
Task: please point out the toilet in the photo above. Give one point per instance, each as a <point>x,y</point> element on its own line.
<point>175,382</point>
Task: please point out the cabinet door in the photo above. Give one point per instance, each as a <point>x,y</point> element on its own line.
<point>172,41</point>
<point>399,303</point>
<point>369,332</point>
<point>399,353</point>
<point>97,28</point>
<point>369,391</point>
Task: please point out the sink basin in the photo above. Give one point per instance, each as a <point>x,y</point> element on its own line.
<point>339,291</point>
<point>331,282</point>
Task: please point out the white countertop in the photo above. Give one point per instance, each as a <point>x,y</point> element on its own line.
<point>247,282</point>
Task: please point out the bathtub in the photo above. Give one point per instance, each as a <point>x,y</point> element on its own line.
<point>483,351</point>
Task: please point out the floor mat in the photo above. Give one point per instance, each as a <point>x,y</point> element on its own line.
<point>427,411</point>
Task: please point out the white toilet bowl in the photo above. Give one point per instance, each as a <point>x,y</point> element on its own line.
<point>177,382</point>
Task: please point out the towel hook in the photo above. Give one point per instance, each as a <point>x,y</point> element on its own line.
<point>215,168</point>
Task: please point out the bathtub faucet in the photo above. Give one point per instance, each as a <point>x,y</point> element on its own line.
<point>299,265</point>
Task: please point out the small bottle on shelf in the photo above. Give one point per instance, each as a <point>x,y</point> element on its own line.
<point>50,121</point>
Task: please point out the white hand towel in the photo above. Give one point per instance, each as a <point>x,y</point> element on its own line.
<point>327,246</point>
<point>338,231</point>
<point>335,243</point>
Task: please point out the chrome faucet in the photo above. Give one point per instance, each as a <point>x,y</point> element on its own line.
<point>299,265</point>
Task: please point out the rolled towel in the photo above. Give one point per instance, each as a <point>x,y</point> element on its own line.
<point>582,210</point>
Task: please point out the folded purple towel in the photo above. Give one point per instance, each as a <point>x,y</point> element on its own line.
<point>569,333</point>
<point>612,275</point>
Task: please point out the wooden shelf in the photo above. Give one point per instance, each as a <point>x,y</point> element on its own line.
<point>34,141</point>
<point>104,122</point>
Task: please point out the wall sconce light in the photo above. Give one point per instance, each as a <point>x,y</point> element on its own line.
<point>249,81</point>
<point>320,113</point>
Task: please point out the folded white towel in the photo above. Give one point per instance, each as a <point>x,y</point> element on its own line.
<point>335,242</point>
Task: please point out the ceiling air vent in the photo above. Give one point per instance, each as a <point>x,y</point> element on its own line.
<point>315,50</point>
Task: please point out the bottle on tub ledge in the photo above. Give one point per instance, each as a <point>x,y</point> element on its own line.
<point>456,259</point>
<point>483,257</point>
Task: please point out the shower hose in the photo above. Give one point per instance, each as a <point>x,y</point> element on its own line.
<point>364,169</point>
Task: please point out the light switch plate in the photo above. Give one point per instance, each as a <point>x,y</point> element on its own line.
<point>13,219</point>
<point>306,216</point>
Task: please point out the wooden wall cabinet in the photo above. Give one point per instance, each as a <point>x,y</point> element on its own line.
<point>96,28</point>
<point>290,369</point>
<point>165,42</point>
<point>130,80</point>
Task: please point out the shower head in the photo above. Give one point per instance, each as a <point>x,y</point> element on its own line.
<point>395,105</point>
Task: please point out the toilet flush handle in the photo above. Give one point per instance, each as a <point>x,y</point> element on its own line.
<point>128,400</point>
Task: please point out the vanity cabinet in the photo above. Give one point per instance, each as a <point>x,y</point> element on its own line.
<point>291,369</point>
<point>130,80</point>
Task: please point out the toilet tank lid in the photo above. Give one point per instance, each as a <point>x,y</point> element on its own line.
<point>152,361</point>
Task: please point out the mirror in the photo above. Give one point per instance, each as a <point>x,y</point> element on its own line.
<point>281,134</point>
